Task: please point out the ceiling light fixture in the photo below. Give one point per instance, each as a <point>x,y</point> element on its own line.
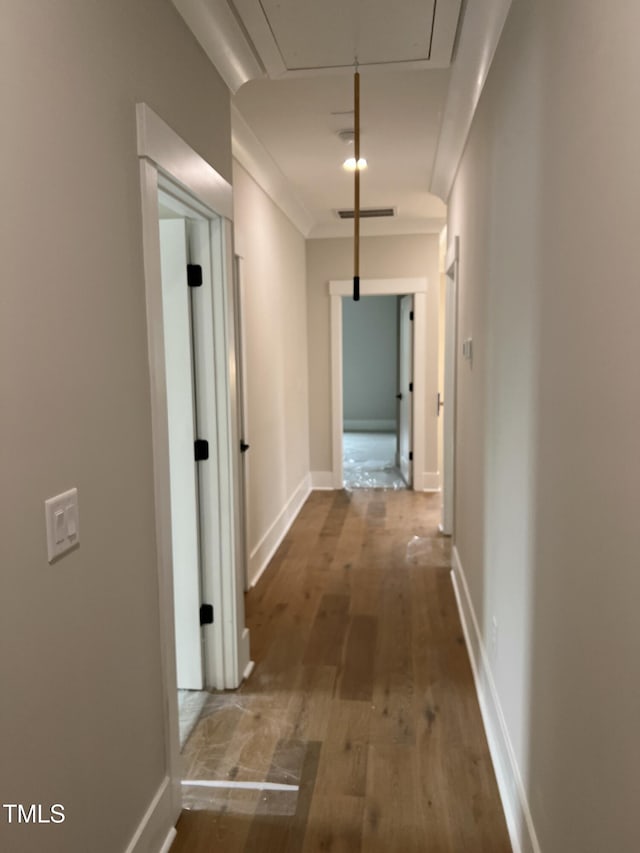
<point>350,164</point>
<point>347,135</point>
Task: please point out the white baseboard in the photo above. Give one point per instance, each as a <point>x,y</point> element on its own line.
<point>322,480</point>
<point>370,425</point>
<point>265,549</point>
<point>512,793</point>
<point>245,664</point>
<point>171,837</point>
<point>156,832</point>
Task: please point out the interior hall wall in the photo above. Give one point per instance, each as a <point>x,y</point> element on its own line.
<point>546,207</point>
<point>82,693</point>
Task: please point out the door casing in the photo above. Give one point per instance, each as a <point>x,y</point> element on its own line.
<point>449,409</point>
<point>405,380</point>
<point>167,162</point>
<point>340,289</point>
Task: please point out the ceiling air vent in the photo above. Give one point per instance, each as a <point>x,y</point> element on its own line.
<point>367,212</point>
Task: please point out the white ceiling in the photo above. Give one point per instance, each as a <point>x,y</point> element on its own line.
<point>292,36</point>
<point>297,120</point>
<point>311,48</point>
<point>290,65</point>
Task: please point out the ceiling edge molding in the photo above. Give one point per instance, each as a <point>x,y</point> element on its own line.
<point>216,29</point>
<point>479,36</point>
<point>378,228</point>
<point>254,157</point>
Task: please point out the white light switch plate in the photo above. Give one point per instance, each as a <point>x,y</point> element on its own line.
<point>63,523</point>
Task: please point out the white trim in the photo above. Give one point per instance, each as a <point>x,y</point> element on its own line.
<point>174,157</point>
<point>251,154</point>
<point>378,227</point>
<point>453,255</point>
<point>160,152</point>
<point>215,26</point>
<point>242,786</point>
<point>249,667</point>
<point>381,287</point>
<point>231,631</point>
<point>480,32</point>
<point>243,403</point>
<point>171,837</point>
<point>418,427</point>
<point>322,480</point>
<point>371,425</point>
<point>160,451</point>
<point>512,792</point>
<point>337,416</point>
<point>431,481</point>
<point>447,517</point>
<point>156,828</point>
<point>261,555</point>
<point>259,30</point>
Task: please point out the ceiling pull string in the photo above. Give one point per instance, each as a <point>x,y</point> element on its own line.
<point>356,192</point>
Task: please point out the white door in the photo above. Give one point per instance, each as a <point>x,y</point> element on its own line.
<point>448,408</point>
<point>405,391</point>
<point>243,420</point>
<point>185,532</point>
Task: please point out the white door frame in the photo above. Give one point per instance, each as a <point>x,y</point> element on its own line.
<point>381,287</point>
<point>405,326</point>
<point>243,401</point>
<point>179,330</point>
<point>449,410</point>
<point>168,163</point>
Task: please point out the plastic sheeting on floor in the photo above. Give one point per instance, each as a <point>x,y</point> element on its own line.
<point>369,461</point>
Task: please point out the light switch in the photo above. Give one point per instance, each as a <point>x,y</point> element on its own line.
<point>72,523</point>
<point>63,526</point>
<point>59,526</point>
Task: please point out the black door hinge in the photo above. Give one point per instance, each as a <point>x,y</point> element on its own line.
<point>194,275</point>
<point>201,449</point>
<point>206,614</point>
<point>243,446</point>
<point>411,315</point>
<point>411,387</point>
<point>411,456</point>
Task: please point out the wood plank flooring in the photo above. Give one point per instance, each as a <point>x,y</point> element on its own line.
<point>362,696</point>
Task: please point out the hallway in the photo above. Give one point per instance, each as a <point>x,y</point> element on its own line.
<point>361,711</point>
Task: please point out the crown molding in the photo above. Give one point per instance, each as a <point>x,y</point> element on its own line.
<point>223,40</point>
<point>254,157</point>
<point>479,35</point>
<point>391,227</point>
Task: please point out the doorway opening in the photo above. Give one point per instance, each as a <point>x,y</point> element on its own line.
<point>398,456</point>
<point>185,253</point>
<point>177,184</point>
<point>376,399</point>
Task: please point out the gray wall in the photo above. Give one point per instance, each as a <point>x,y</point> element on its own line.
<point>81,711</point>
<point>547,204</point>
<point>370,362</point>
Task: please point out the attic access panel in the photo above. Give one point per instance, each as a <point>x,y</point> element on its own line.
<point>302,36</point>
